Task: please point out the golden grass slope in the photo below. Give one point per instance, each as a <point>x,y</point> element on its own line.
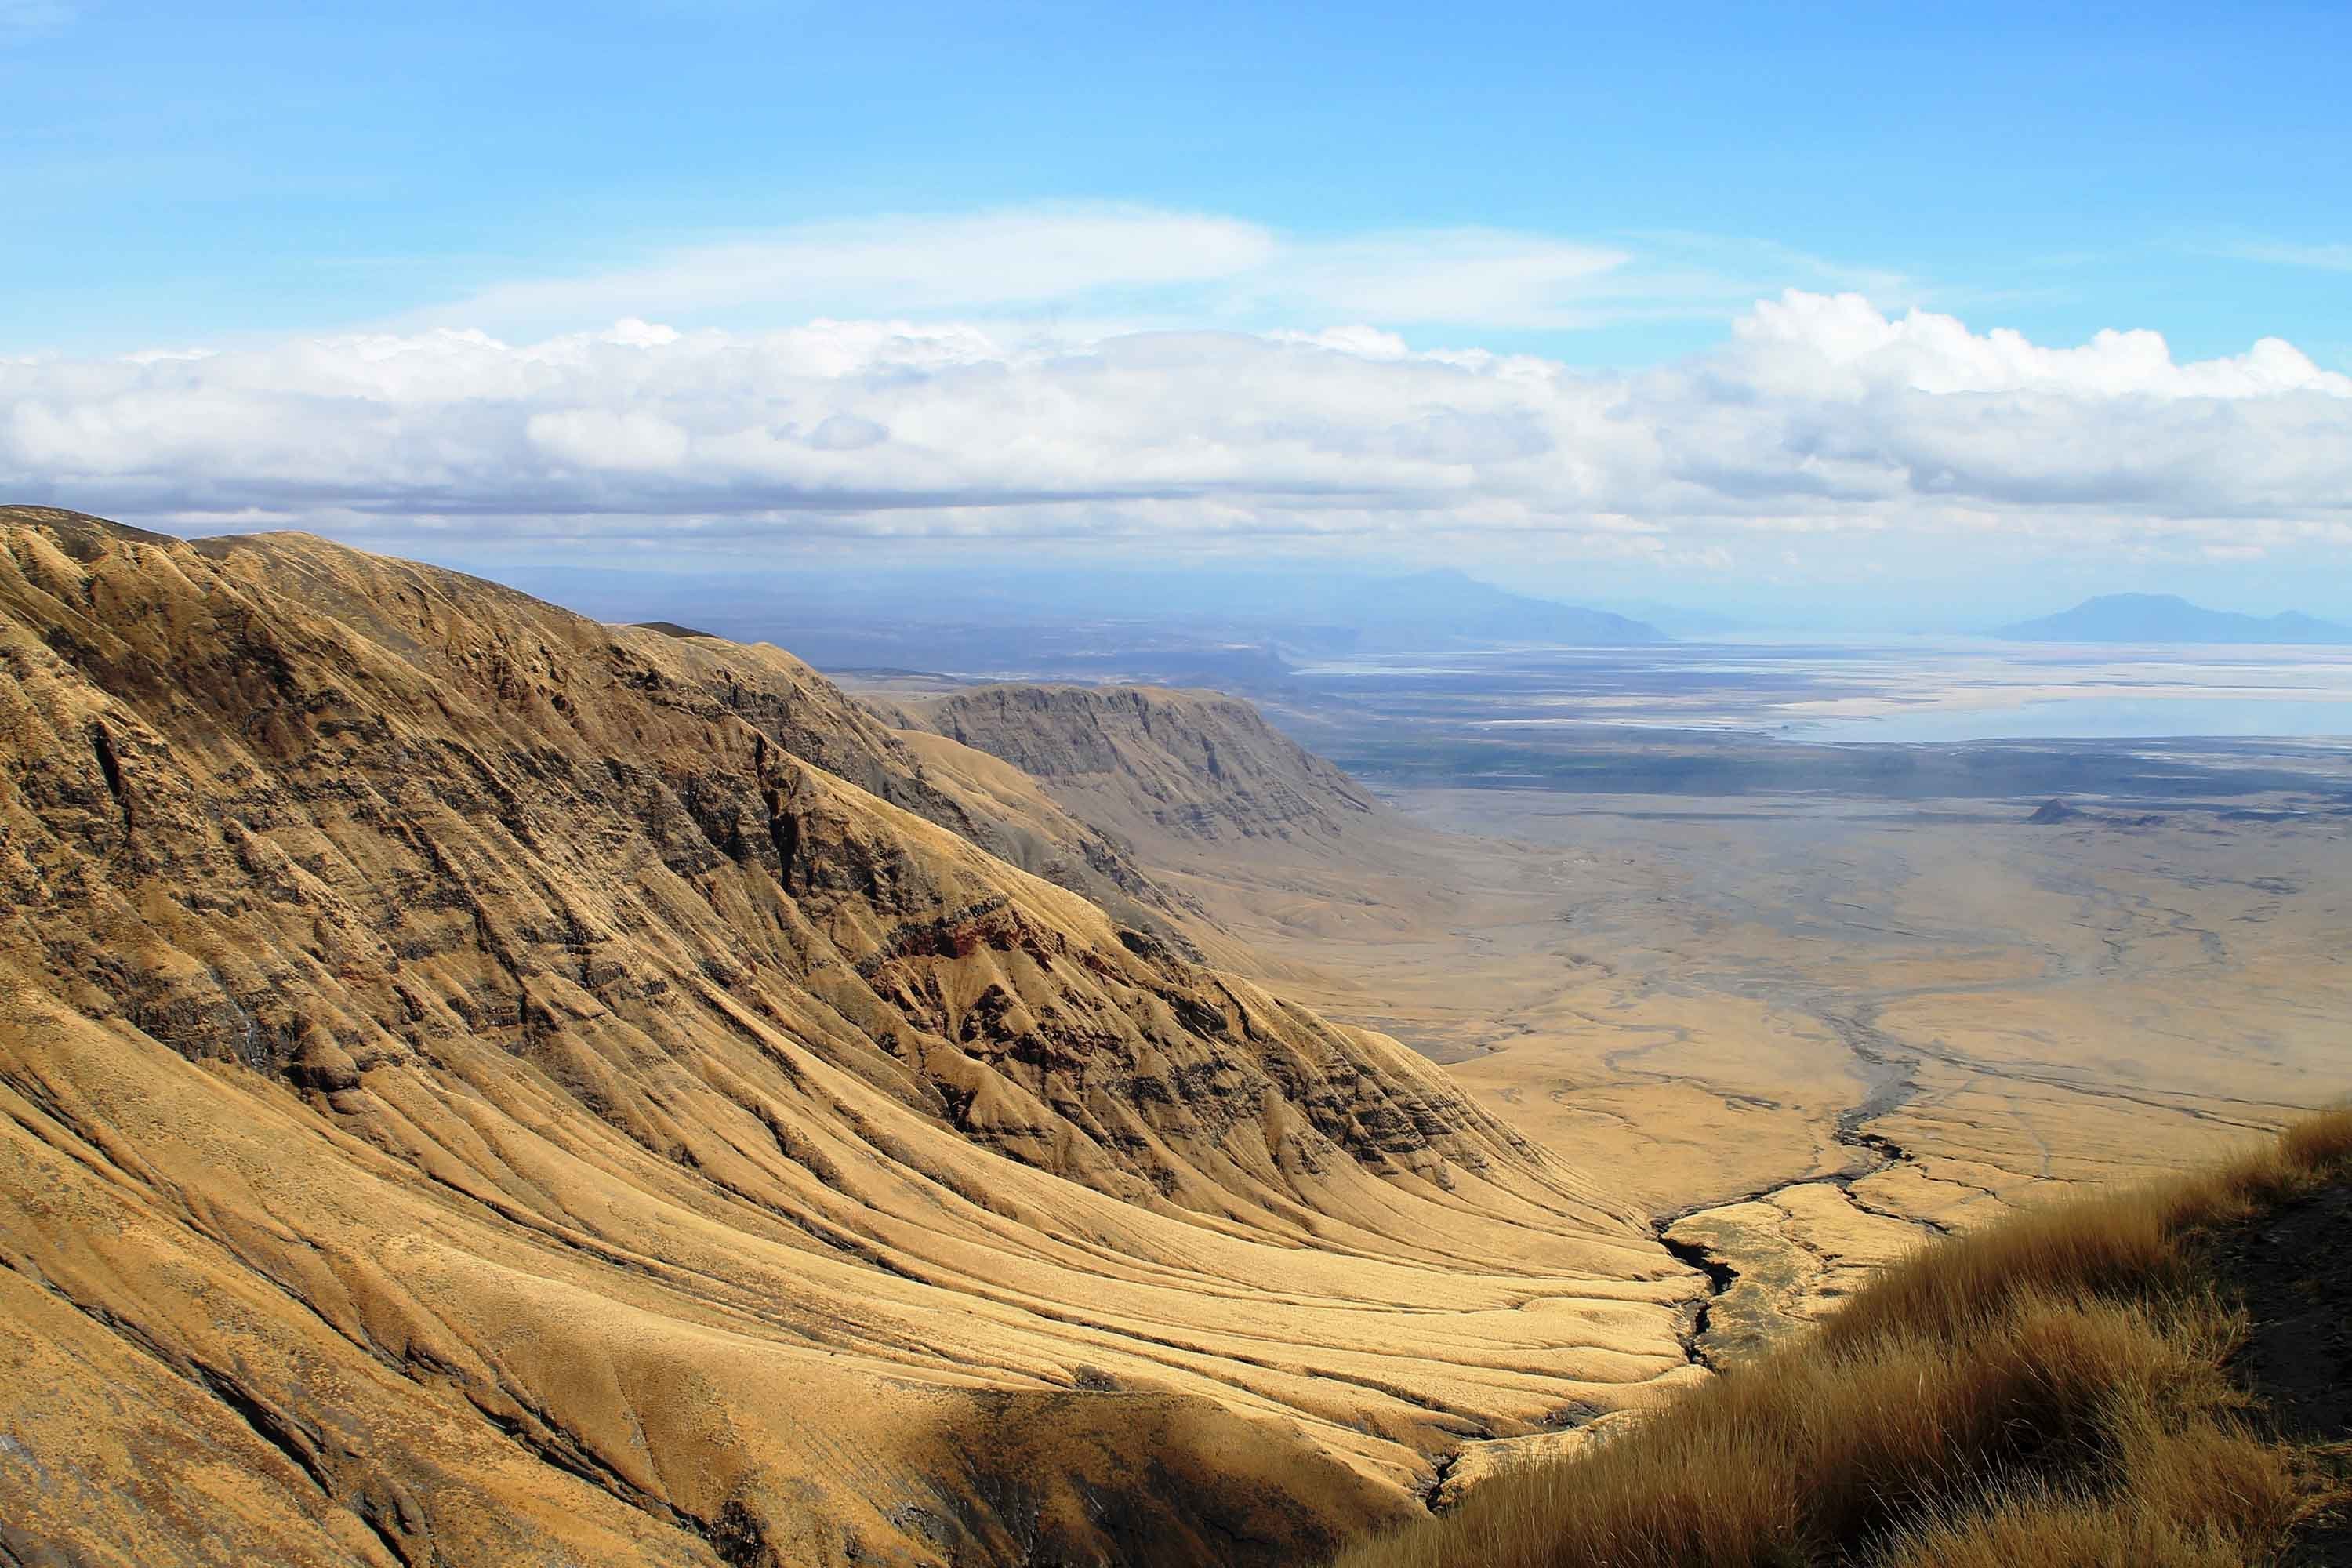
<point>481,1087</point>
<point>2053,1390</point>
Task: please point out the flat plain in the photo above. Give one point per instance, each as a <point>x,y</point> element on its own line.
<point>1809,1003</point>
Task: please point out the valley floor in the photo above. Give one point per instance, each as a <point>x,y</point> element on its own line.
<point>1805,1032</point>
<point>480,1085</point>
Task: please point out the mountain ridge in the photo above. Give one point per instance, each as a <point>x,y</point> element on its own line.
<point>1206,624</point>
<point>1190,764</point>
<point>483,1084</point>
<point>2167,617</point>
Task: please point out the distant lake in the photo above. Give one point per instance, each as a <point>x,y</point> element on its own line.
<point>1831,689</point>
<point>2094,719</point>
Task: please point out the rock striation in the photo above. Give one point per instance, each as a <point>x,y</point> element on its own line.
<point>481,1086</point>
<point>1154,761</point>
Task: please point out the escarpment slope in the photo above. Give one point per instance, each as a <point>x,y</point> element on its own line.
<point>480,1086</point>
<point>392,603</point>
<point>1287,862</point>
<point>1153,761</point>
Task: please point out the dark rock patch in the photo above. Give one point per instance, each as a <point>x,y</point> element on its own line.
<point>2291,1272</point>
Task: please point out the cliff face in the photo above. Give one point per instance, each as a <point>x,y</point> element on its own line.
<point>1253,841</point>
<point>482,1086</point>
<point>1156,763</point>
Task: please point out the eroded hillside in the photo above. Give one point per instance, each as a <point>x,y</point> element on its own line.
<point>1275,851</point>
<point>1155,763</point>
<point>484,1087</point>
<point>1804,1032</point>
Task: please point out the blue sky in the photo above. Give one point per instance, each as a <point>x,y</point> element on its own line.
<point>194,170</point>
<point>1597,187</point>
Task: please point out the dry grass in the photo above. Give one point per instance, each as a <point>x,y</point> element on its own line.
<point>2127,1241</point>
<point>2051,1391</point>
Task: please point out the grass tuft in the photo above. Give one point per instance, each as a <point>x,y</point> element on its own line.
<point>2051,1390</point>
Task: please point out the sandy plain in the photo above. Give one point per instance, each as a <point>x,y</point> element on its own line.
<point>1806,1032</point>
<point>1809,1005</point>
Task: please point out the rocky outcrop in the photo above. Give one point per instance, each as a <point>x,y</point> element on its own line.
<point>1187,764</point>
<point>482,1086</point>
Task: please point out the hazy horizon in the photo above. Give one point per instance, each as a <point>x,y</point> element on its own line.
<point>990,579</point>
<point>1998,314</point>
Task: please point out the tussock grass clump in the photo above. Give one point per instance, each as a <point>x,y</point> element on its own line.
<point>2207,1495</point>
<point>2125,1241</point>
<point>2052,1390</point>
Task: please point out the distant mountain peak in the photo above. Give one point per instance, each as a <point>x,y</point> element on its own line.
<point>1445,605</point>
<point>2169,601</point>
<point>2169,617</point>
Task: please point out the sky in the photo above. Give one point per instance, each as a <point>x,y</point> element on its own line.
<point>1918,312</point>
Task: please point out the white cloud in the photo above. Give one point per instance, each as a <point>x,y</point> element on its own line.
<point>604,439</point>
<point>906,264</point>
<point>1823,425</point>
<point>1477,277</point>
<point>1142,267</point>
<point>1842,346</point>
<point>2327,257</point>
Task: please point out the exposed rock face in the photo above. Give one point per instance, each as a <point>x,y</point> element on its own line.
<point>1192,764</point>
<point>1014,818</point>
<point>480,1086</point>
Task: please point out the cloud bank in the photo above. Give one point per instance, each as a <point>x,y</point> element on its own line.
<point>1823,416</point>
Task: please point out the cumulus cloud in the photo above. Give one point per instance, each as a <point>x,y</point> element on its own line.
<point>1823,416</point>
<point>1841,346</point>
